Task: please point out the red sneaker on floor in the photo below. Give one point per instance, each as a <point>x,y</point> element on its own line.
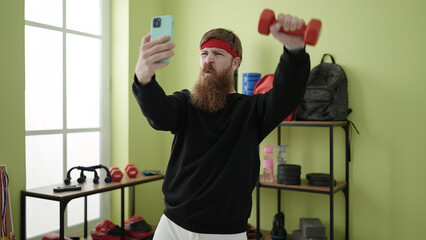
<point>106,230</point>
<point>137,227</point>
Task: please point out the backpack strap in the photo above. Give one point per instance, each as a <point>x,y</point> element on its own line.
<point>327,54</point>
<point>351,124</point>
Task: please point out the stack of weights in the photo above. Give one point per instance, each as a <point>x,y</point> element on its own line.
<point>319,179</point>
<point>288,174</point>
<point>249,81</point>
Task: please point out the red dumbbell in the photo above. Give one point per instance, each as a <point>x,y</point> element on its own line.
<point>309,32</point>
<point>116,174</point>
<point>131,170</point>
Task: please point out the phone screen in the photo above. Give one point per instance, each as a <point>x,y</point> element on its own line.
<point>160,26</point>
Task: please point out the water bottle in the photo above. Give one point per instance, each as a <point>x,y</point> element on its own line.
<point>268,163</point>
<point>281,154</point>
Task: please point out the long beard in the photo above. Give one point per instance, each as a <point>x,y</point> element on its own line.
<point>210,91</point>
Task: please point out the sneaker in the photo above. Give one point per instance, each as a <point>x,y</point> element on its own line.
<point>106,230</point>
<point>137,227</point>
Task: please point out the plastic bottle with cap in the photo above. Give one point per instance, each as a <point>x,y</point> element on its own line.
<point>281,154</point>
<point>268,163</point>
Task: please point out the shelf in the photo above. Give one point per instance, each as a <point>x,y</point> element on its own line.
<point>314,123</point>
<point>88,188</point>
<point>303,187</point>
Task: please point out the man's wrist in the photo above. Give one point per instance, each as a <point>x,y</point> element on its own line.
<point>294,50</point>
<point>143,80</point>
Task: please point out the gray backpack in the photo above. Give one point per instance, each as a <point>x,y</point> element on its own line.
<point>326,96</point>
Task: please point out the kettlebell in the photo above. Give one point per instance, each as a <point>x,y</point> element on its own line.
<point>278,231</point>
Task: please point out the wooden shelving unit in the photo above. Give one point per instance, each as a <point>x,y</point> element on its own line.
<point>304,186</point>
<point>87,188</point>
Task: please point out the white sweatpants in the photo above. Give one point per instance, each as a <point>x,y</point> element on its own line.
<point>168,230</point>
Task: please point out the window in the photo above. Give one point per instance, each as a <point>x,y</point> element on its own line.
<point>66,104</point>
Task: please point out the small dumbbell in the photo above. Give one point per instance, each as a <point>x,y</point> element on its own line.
<point>309,32</point>
<point>116,174</point>
<point>131,170</point>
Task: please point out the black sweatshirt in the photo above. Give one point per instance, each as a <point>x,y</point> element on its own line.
<point>214,163</point>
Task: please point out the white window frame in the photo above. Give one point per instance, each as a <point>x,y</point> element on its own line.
<point>104,129</point>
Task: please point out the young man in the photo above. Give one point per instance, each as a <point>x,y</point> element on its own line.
<point>214,163</point>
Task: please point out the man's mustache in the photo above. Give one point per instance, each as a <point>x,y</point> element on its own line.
<point>208,67</point>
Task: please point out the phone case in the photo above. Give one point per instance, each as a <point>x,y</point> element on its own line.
<point>164,28</point>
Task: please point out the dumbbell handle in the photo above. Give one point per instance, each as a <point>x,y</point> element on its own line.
<point>298,32</point>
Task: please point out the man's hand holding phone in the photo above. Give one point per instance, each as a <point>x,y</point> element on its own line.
<point>150,54</point>
<point>156,48</point>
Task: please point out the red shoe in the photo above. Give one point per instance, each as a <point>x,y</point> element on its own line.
<point>106,230</point>
<point>137,227</point>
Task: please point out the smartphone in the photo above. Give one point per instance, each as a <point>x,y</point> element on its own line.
<point>160,26</point>
<point>66,188</point>
<point>152,172</point>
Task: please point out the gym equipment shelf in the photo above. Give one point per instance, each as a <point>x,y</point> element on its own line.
<point>304,186</point>
<point>87,188</point>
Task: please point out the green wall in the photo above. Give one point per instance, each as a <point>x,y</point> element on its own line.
<point>132,140</point>
<point>148,148</point>
<point>12,101</point>
<point>119,94</point>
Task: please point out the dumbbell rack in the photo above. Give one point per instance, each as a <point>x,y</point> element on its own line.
<point>87,188</point>
<point>305,187</point>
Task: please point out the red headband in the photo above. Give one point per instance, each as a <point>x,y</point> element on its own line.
<point>216,43</point>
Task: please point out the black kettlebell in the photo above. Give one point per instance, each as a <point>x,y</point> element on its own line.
<point>278,231</point>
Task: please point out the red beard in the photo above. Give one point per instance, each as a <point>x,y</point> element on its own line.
<point>210,91</point>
